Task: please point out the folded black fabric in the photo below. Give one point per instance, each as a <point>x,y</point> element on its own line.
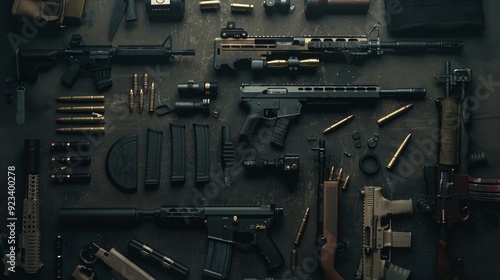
<point>434,17</point>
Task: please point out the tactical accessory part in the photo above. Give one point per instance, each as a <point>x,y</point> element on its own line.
<point>347,154</point>
<point>80,119</point>
<point>152,98</point>
<point>293,260</point>
<point>72,160</point>
<point>122,163</point>
<point>20,107</point>
<point>210,5</point>
<point>231,31</point>
<point>311,138</point>
<point>357,144</point>
<point>394,114</point>
<point>9,95</point>
<point>81,98</point>
<point>202,144</point>
<point>78,178</point>
<point>135,84</point>
<point>241,8</point>
<point>279,6</point>
<point>172,10</point>
<point>316,8</point>
<point>372,142</point>
<point>216,112</point>
<point>77,146</point>
<point>346,182</point>
<point>338,124</point>
<point>288,164</point>
<point>227,152</point>
<point>178,155</point>
<point>141,100</point>
<point>190,108</point>
<point>158,257</point>
<point>369,163</point>
<point>163,110</point>
<point>80,109</point>
<point>93,129</point>
<point>356,135</point>
<point>203,89</point>
<point>153,161</point>
<point>398,152</point>
<point>115,260</point>
<point>302,226</point>
<point>59,256</point>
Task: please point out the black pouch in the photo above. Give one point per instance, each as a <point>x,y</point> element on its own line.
<point>434,17</point>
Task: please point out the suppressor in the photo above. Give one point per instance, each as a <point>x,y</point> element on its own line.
<point>155,256</point>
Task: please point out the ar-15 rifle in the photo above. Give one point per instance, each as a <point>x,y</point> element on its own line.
<point>29,256</point>
<point>225,224</point>
<point>449,188</point>
<point>378,237</point>
<point>92,59</point>
<point>285,102</point>
<point>234,49</point>
<point>327,215</point>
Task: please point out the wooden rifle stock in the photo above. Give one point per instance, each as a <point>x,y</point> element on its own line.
<point>330,225</point>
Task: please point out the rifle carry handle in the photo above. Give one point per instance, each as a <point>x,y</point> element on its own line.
<point>218,259</point>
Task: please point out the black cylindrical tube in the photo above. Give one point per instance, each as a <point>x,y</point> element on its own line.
<point>89,216</point>
<point>73,160</point>
<point>404,93</point>
<point>32,155</point>
<point>77,146</point>
<point>203,89</point>
<point>78,178</point>
<point>160,258</point>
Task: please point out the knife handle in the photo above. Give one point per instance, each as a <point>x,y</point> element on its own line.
<point>130,14</point>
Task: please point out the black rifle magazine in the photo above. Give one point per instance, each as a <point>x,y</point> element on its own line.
<point>178,156</point>
<point>202,145</point>
<point>153,161</point>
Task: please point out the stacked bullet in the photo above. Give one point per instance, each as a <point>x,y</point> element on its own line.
<point>92,118</point>
<point>142,92</point>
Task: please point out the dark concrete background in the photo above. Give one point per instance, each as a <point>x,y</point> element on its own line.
<point>478,245</point>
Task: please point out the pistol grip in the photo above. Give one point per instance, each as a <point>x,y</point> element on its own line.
<point>279,134</point>
<point>272,254</point>
<point>251,123</point>
<point>218,259</point>
<point>69,77</point>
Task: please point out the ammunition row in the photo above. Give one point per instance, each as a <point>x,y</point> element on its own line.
<point>95,112</point>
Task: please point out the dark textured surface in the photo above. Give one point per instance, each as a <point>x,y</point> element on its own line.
<point>477,245</point>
